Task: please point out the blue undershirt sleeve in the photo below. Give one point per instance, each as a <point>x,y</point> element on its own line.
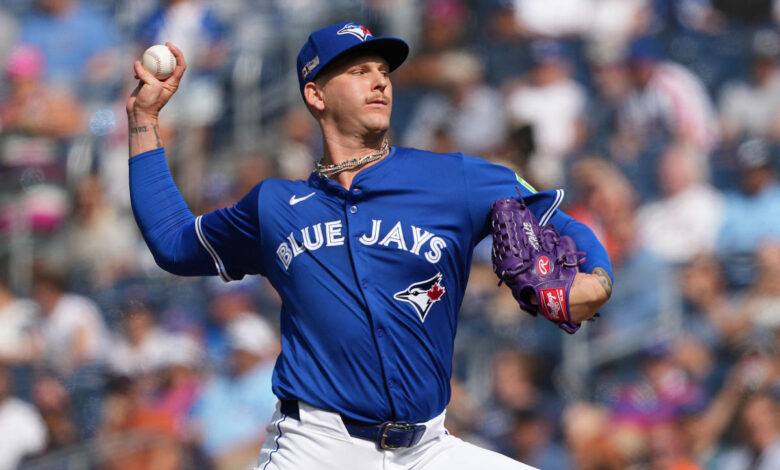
<point>583,236</point>
<point>164,219</point>
<point>223,242</point>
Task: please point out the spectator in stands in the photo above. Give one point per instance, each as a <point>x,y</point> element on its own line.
<point>751,108</point>
<point>514,388</point>
<point>753,214</point>
<point>554,18</point>
<point>79,43</point>
<point>72,325</point>
<point>227,304</point>
<point>659,392</point>
<point>603,198</point>
<point>133,436</point>
<point>646,301</point>
<point>532,441</point>
<point>612,86</point>
<point>179,382</point>
<point>706,427</point>
<point>233,408</point>
<point>143,346</point>
<point>21,426</point>
<point>295,153</point>
<point>75,339</point>
<point>502,45</point>
<point>668,449</point>
<point>53,401</point>
<point>32,106</point>
<point>586,431</point>
<point>615,22</point>
<point>759,440</point>
<point>552,103</point>
<point>19,341</point>
<point>610,201</point>
<point>710,316</point>
<point>668,102</point>
<point>759,304</point>
<point>468,110</point>
<point>685,221</point>
<point>81,245</point>
<point>444,29</point>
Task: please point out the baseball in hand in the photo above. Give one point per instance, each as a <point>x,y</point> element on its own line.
<point>160,61</point>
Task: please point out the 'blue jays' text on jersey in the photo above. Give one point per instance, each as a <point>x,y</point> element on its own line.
<point>371,278</point>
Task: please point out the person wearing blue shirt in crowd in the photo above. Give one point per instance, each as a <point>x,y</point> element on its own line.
<point>753,214</point>
<point>370,257</point>
<point>78,42</point>
<point>231,404</point>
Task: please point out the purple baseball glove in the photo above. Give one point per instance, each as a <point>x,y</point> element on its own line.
<point>535,262</point>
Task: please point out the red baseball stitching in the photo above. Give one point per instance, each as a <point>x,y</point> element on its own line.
<point>158,61</point>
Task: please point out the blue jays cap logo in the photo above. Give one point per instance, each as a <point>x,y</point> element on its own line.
<point>422,295</point>
<point>331,42</point>
<point>357,30</point>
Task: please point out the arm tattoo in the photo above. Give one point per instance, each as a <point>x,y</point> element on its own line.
<point>604,279</point>
<point>139,129</point>
<point>157,136</point>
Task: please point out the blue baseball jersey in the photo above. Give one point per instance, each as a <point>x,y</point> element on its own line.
<point>372,278</point>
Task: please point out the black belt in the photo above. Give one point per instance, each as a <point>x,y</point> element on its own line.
<point>387,435</point>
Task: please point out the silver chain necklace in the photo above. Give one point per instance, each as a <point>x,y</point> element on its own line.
<point>334,168</point>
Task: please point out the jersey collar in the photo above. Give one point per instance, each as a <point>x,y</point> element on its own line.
<point>331,186</point>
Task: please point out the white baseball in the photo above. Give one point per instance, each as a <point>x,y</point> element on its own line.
<point>160,61</point>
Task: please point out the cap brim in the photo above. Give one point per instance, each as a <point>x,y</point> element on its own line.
<point>393,50</point>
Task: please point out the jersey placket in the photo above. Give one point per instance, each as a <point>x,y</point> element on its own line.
<point>357,204</point>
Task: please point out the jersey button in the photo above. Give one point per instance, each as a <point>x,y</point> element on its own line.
<point>380,332</point>
<point>353,209</point>
<point>364,283</point>
<point>392,383</point>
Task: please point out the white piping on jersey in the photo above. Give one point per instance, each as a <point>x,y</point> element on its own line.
<point>549,212</point>
<point>214,256</point>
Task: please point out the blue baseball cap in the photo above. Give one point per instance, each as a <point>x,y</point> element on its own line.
<point>644,48</point>
<point>329,43</point>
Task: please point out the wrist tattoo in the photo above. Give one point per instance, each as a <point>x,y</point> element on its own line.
<point>604,280</point>
<point>139,129</point>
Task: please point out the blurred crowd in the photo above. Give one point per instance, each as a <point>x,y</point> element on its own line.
<point>660,118</point>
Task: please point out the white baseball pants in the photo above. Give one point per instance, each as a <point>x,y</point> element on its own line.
<point>319,441</point>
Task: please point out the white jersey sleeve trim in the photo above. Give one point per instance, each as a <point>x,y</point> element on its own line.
<point>551,210</point>
<point>210,249</point>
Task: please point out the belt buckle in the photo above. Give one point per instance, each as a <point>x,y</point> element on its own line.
<point>393,425</point>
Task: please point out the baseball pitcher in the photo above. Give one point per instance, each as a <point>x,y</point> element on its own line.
<point>371,256</point>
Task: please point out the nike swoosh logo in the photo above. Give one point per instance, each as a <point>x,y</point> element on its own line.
<point>295,200</point>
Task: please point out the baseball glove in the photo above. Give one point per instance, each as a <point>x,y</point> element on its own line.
<point>535,262</point>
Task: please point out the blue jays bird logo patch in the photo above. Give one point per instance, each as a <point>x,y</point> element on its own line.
<point>422,295</point>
